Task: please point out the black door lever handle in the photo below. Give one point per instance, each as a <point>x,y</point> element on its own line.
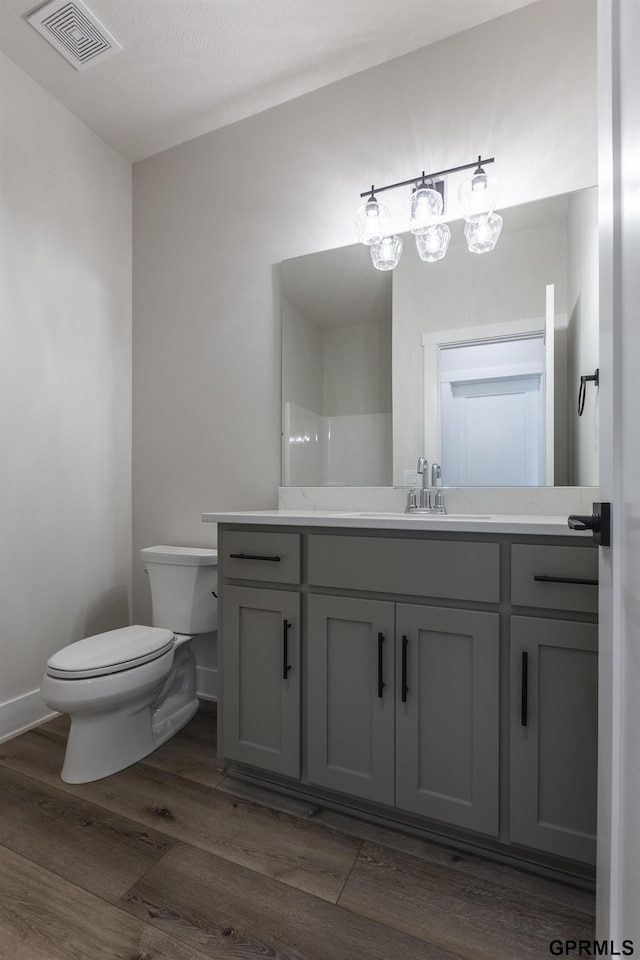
<point>599,522</point>
<point>579,521</point>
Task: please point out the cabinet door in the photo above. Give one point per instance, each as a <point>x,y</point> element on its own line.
<point>447,715</point>
<point>261,678</point>
<point>350,696</point>
<point>554,736</point>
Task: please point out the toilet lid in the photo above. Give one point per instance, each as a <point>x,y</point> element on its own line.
<point>110,652</point>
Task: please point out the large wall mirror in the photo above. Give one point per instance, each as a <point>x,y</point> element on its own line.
<point>474,361</point>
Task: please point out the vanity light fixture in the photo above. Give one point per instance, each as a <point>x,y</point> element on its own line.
<point>424,207</point>
<point>424,211</point>
<point>371,220</point>
<point>386,253</point>
<point>477,195</point>
<point>432,244</point>
<point>482,232</point>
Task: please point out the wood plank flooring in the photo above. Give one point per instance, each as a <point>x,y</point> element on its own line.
<point>172,860</point>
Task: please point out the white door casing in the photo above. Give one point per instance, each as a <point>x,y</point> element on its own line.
<point>549,384</point>
<point>618,914</point>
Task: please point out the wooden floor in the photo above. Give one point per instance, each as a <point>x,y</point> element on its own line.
<point>171,860</point>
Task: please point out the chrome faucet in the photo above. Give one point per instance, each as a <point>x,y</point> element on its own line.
<point>425,497</point>
<point>431,500</point>
<point>437,503</point>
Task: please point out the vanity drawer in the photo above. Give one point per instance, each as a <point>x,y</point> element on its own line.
<point>272,557</point>
<point>543,576</point>
<point>447,569</point>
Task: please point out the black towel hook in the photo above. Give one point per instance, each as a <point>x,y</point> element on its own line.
<point>582,392</point>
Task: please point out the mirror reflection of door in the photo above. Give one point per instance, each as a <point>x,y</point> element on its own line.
<point>492,412</point>
<point>492,432</point>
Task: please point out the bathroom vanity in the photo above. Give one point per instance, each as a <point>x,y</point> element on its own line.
<point>439,673</point>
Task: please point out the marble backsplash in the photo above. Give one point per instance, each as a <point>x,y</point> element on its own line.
<point>541,501</point>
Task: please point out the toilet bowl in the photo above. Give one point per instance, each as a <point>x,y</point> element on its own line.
<point>129,690</point>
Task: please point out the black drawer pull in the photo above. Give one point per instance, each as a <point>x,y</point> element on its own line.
<point>546,579</point>
<point>253,556</point>
<point>380,680</point>
<point>285,649</point>
<point>524,688</point>
<point>405,688</point>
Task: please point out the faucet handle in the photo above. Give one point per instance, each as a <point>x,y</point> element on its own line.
<point>438,503</point>
<point>412,501</point>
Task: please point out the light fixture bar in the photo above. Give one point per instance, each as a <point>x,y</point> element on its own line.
<point>427,176</point>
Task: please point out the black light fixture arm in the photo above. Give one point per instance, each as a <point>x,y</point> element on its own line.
<point>428,176</point>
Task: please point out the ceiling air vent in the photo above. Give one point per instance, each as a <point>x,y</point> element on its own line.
<point>74,32</point>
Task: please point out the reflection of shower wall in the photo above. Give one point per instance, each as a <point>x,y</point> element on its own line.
<point>352,450</point>
<point>302,446</point>
<point>358,450</point>
<point>357,403</point>
<point>336,390</point>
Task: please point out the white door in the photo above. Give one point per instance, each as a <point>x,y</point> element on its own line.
<point>491,432</point>
<point>491,412</point>
<point>619,722</point>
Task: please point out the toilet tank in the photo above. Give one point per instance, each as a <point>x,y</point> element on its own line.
<point>184,587</point>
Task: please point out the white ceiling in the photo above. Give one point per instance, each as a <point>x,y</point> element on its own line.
<point>191,66</point>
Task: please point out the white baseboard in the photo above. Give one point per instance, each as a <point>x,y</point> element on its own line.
<point>206,683</point>
<point>22,713</point>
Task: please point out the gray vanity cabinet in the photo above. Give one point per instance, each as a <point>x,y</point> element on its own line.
<point>554,737</point>
<point>372,665</point>
<point>402,707</point>
<point>261,694</point>
<point>447,715</point>
<point>350,696</point>
<point>554,700</point>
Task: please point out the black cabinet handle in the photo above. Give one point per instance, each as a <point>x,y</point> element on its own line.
<point>380,680</point>
<point>405,688</point>
<point>524,681</point>
<point>285,649</point>
<point>253,556</point>
<point>544,578</point>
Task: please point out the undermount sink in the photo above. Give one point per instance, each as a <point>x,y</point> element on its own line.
<point>428,517</point>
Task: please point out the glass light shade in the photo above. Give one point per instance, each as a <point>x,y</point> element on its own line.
<point>386,253</point>
<point>432,244</point>
<point>424,206</point>
<point>482,234</point>
<point>477,196</point>
<point>371,220</point>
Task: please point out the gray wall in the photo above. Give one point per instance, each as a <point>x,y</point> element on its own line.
<point>302,358</point>
<point>65,374</point>
<point>583,337</point>
<point>212,217</point>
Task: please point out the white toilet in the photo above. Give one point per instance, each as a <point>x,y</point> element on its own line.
<point>129,690</point>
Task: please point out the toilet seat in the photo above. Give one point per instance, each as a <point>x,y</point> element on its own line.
<point>110,652</point>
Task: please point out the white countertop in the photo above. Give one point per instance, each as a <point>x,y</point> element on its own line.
<point>465,523</point>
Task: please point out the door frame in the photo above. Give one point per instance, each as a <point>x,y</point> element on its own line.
<point>618,876</point>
